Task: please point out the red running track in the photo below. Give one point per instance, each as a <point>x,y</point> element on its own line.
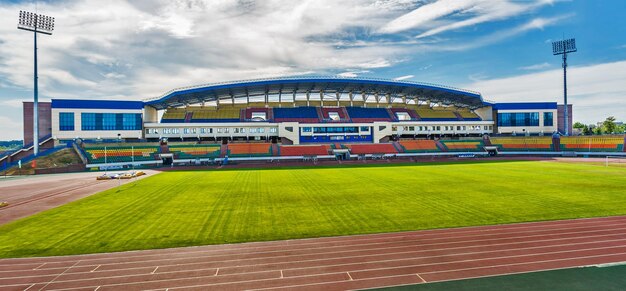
<point>334,263</point>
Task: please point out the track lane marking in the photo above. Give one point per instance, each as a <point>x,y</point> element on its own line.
<point>362,270</point>
<point>375,261</point>
<point>404,244</point>
<point>586,222</point>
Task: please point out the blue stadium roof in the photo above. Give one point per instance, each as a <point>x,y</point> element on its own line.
<point>96,104</point>
<point>525,105</point>
<point>328,85</point>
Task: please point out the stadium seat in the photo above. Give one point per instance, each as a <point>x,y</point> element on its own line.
<point>593,144</point>
<point>359,114</point>
<point>199,151</point>
<point>463,145</point>
<point>419,146</point>
<point>296,114</point>
<point>383,148</point>
<point>523,143</point>
<point>119,154</point>
<point>249,149</point>
<point>306,150</point>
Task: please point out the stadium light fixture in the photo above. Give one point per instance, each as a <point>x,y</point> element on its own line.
<point>37,23</point>
<point>564,47</point>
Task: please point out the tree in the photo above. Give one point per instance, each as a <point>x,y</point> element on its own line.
<point>587,130</point>
<point>579,125</point>
<point>609,125</point>
<point>597,130</point>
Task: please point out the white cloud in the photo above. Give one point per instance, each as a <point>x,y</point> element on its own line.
<point>541,66</point>
<point>596,91</point>
<point>445,15</point>
<point>425,14</point>
<point>404,77</point>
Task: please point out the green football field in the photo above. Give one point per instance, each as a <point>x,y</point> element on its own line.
<point>186,208</point>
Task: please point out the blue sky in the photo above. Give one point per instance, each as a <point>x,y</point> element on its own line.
<point>138,49</point>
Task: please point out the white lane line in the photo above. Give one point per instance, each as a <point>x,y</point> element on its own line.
<point>155,269</point>
<point>404,275</point>
<point>418,275</point>
<point>382,277</point>
<point>349,276</point>
<point>381,261</point>
<point>281,274</point>
<point>217,271</point>
<point>92,270</point>
<point>44,287</point>
<point>374,269</point>
<point>30,286</point>
<point>39,266</point>
<point>97,288</point>
<point>403,244</point>
<point>542,225</point>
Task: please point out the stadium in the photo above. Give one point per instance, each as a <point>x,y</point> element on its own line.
<point>305,181</point>
<point>297,118</point>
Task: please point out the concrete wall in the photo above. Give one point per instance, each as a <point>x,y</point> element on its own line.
<point>45,120</point>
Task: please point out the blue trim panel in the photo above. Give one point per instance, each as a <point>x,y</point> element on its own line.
<point>96,104</point>
<point>525,105</point>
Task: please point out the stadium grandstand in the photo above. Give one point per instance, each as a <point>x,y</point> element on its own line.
<point>303,116</point>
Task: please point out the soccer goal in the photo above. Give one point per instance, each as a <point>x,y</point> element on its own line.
<point>618,161</point>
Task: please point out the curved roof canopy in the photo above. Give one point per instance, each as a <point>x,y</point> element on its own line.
<point>329,87</point>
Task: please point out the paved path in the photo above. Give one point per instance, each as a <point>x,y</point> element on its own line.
<point>32,194</point>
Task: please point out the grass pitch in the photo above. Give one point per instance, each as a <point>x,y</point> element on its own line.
<point>188,208</point>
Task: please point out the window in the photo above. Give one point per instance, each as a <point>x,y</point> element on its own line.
<point>403,116</point>
<point>333,115</point>
<point>547,119</point>
<point>261,130</point>
<point>289,128</point>
<point>111,121</point>
<point>66,121</point>
<point>273,130</point>
<point>306,129</point>
<point>259,116</point>
<point>365,128</point>
<point>108,121</point>
<point>518,119</point>
<point>88,121</point>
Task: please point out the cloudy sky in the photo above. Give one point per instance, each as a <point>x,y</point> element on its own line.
<point>118,49</point>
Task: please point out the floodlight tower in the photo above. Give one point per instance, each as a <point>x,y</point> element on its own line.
<point>36,23</point>
<point>563,47</point>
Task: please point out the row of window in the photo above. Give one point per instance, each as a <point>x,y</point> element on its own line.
<point>520,119</point>
<point>209,130</point>
<point>101,121</point>
<point>444,127</point>
<point>336,129</point>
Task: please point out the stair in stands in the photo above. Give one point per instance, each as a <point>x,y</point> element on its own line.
<point>345,113</point>
<point>398,147</point>
<point>275,150</point>
<point>188,117</point>
<point>556,143</point>
<point>441,146</point>
<point>458,115</point>
<point>320,115</point>
<point>223,150</point>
